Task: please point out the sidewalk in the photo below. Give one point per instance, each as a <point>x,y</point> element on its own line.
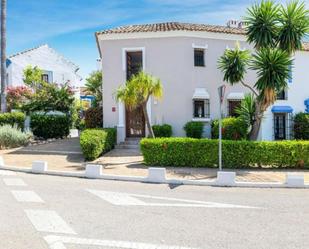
<point>65,155</point>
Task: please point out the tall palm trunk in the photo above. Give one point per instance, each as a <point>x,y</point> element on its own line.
<point>257,122</point>
<point>3,56</point>
<point>149,127</point>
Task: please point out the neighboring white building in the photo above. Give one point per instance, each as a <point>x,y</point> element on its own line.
<point>56,68</point>
<point>185,57</point>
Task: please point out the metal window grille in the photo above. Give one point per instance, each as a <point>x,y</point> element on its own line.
<point>201,108</point>
<point>199,57</point>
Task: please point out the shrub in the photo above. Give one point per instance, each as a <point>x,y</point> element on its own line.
<point>232,129</point>
<point>18,96</point>
<point>301,126</point>
<point>194,129</point>
<point>13,119</point>
<point>50,126</point>
<point>164,130</point>
<point>94,117</point>
<point>236,154</point>
<point>12,137</point>
<point>95,142</point>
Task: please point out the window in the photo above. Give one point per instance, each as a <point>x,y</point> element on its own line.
<point>282,95</point>
<point>45,77</point>
<point>134,63</point>
<point>199,57</point>
<point>232,107</point>
<point>201,108</point>
<point>280,126</point>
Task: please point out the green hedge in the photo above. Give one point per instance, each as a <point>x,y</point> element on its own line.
<point>232,129</point>
<point>13,118</point>
<point>301,126</point>
<point>164,130</point>
<point>50,126</point>
<point>194,129</point>
<point>236,154</point>
<point>95,142</point>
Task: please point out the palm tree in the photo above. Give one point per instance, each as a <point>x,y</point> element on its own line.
<point>94,86</point>
<point>3,55</point>
<point>276,33</point>
<point>137,91</point>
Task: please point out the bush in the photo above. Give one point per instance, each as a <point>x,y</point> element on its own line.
<point>236,154</point>
<point>94,117</point>
<point>164,130</point>
<point>12,137</point>
<point>95,142</point>
<point>194,129</point>
<point>301,126</point>
<point>50,126</point>
<point>13,119</point>
<point>232,129</point>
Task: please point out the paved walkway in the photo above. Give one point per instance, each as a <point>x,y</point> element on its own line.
<point>65,155</point>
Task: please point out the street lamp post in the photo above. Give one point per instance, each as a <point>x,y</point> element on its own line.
<point>221,91</point>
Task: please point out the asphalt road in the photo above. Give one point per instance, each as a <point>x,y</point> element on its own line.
<point>51,212</point>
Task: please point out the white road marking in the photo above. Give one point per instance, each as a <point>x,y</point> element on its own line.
<point>48,221</point>
<point>14,182</point>
<point>26,196</point>
<point>7,173</point>
<point>124,199</point>
<point>58,242</point>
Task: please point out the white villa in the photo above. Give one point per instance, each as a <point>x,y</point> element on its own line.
<point>184,56</point>
<point>56,68</point>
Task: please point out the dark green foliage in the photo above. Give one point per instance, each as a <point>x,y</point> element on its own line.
<point>94,117</point>
<point>236,154</point>
<point>50,126</point>
<point>301,126</point>
<point>232,129</point>
<point>13,119</point>
<point>164,130</point>
<point>194,129</point>
<point>95,142</point>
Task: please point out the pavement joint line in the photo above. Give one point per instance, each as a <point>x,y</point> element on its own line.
<point>52,151</point>
<point>14,182</point>
<point>26,196</point>
<point>58,242</point>
<point>126,199</point>
<point>48,221</point>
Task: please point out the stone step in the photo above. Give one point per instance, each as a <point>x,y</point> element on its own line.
<point>127,146</point>
<point>133,142</point>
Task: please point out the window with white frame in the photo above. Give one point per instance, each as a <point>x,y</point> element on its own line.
<point>201,108</point>
<point>199,57</point>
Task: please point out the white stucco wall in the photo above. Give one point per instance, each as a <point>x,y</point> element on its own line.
<point>46,59</point>
<point>298,92</point>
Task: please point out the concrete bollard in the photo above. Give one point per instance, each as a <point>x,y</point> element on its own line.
<point>39,166</point>
<point>156,175</point>
<point>93,171</point>
<point>1,161</point>
<point>295,180</point>
<point>226,178</point>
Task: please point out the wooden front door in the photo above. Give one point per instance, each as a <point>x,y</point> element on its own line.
<point>135,121</point>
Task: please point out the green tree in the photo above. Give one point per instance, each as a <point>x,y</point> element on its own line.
<point>137,91</point>
<point>94,86</point>
<point>276,32</point>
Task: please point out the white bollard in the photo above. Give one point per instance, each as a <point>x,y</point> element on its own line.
<point>39,166</point>
<point>1,161</point>
<point>74,133</point>
<point>295,180</point>
<point>93,171</point>
<point>156,175</point>
<point>226,178</point>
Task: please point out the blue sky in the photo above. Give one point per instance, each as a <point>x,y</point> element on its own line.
<point>69,25</point>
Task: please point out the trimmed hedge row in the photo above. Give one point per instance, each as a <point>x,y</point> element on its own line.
<point>164,130</point>
<point>13,118</point>
<point>236,154</point>
<point>95,142</point>
<point>50,126</point>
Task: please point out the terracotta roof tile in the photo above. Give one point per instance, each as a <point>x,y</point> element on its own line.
<point>172,26</point>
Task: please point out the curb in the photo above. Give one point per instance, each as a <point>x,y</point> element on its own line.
<point>158,176</point>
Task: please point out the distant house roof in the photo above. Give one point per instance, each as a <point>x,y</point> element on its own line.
<point>173,26</point>
<point>76,68</point>
<point>178,26</point>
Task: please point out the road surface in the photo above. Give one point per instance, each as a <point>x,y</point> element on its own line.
<point>49,212</point>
